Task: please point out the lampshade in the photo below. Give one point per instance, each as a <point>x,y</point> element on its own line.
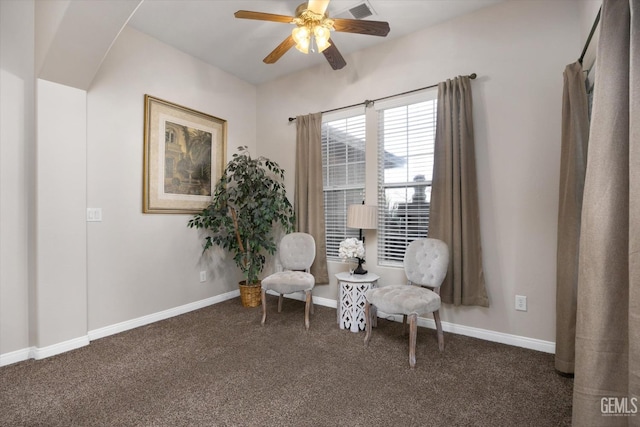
<point>302,36</point>
<point>362,216</point>
<point>321,35</point>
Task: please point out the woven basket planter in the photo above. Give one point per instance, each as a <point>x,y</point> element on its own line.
<point>250,295</point>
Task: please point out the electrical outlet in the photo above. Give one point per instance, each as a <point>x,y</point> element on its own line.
<point>521,303</point>
<point>203,276</point>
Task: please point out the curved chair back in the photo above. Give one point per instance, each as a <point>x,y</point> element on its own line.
<point>426,262</point>
<point>297,251</point>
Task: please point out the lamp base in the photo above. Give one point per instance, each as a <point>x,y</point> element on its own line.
<point>359,269</point>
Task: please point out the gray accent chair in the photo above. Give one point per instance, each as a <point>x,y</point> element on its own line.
<point>426,262</point>
<point>297,251</point>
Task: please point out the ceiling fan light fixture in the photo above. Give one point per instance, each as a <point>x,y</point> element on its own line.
<point>304,48</point>
<point>312,30</point>
<point>313,36</point>
<point>321,35</point>
<point>313,26</point>
<point>302,37</point>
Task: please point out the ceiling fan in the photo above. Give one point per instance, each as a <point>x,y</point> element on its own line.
<point>311,33</point>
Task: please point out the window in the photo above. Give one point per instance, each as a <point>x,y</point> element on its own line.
<point>406,135</point>
<point>343,172</point>
<point>405,131</point>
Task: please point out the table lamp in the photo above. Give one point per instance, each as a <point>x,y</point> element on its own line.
<point>362,217</point>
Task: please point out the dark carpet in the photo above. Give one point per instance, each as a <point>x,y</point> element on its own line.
<point>218,367</point>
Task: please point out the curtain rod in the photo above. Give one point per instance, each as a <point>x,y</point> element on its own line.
<point>593,30</point>
<point>368,102</point>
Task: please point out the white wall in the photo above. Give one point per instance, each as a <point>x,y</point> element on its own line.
<point>138,263</point>
<point>61,261</point>
<point>519,51</point>
<point>588,12</point>
<point>17,141</point>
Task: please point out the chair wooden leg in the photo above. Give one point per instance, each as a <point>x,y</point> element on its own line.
<point>280,298</point>
<point>307,307</point>
<point>413,334</point>
<point>264,306</point>
<point>436,317</point>
<point>312,309</point>
<point>404,325</point>
<point>374,316</point>
<point>368,311</point>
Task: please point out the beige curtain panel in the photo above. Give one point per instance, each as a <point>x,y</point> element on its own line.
<point>309,197</point>
<point>454,214</point>
<point>607,354</point>
<point>573,165</point>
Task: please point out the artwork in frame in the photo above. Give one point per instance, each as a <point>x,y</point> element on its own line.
<point>184,156</point>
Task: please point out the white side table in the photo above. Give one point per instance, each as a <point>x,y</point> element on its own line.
<point>352,301</point>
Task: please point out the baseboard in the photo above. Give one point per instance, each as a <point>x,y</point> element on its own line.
<point>15,356</point>
<point>52,350</point>
<point>161,315</point>
<point>500,337</point>
<point>43,352</point>
<point>326,302</point>
<point>61,347</point>
<point>483,334</point>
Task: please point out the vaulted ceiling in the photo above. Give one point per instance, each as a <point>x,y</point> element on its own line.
<point>74,36</point>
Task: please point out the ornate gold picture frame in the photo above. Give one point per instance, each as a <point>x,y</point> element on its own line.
<point>184,156</point>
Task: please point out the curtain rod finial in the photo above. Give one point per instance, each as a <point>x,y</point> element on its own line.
<point>472,76</point>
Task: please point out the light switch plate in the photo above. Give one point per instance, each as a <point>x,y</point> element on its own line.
<point>94,214</point>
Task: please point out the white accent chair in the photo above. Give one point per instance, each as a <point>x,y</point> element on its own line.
<point>297,252</point>
<point>426,262</point>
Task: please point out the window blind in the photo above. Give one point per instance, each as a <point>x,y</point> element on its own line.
<point>406,135</point>
<point>343,172</point>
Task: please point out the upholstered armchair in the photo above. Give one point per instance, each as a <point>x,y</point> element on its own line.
<point>297,252</point>
<point>425,264</point>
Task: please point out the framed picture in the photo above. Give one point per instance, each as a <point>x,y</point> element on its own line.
<point>184,156</point>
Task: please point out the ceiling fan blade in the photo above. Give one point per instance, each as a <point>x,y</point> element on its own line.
<point>318,6</point>
<point>260,16</point>
<point>277,53</point>
<point>334,56</point>
<point>372,28</point>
